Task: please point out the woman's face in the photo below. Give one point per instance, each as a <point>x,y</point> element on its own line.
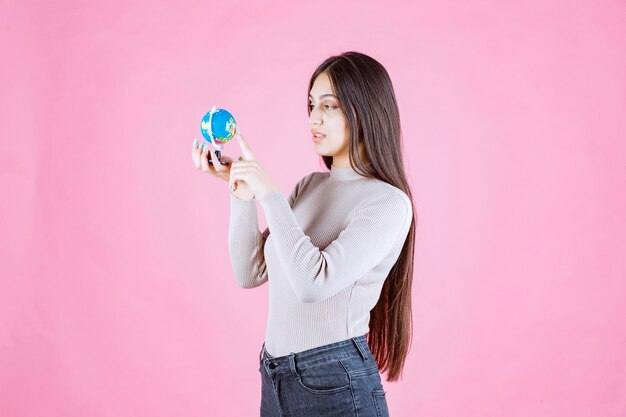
<point>329,119</point>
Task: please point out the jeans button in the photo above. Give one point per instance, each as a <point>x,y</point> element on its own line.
<point>272,365</point>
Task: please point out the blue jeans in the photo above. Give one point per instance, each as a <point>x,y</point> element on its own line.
<point>338,379</point>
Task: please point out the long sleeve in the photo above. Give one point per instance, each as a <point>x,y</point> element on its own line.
<point>246,243</point>
<point>316,274</point>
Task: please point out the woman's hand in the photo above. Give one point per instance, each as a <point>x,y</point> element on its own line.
<point>200,156</point>
<point>251,172</point>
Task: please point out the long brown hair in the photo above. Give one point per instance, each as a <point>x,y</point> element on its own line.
<point>367,98</point>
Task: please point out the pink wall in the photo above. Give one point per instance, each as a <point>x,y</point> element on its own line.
<point>116,293</point>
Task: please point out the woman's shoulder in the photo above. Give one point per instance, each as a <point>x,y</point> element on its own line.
<point>382,192</point>
<point>377,187</point>
<point>376,194</point>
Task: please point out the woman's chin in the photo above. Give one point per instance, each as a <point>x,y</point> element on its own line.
<point>320,150</point>
<point>322,153</point>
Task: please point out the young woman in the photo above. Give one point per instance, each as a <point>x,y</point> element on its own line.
<point>337,253</point>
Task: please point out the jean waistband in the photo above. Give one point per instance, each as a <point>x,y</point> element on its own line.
<point>343,349</point>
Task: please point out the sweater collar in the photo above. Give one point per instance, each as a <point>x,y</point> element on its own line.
<point>344,173</point>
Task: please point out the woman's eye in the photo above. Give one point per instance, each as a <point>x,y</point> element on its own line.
<point>328,106</point>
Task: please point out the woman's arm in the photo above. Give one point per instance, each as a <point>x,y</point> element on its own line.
<point>246,243</point>
<point>317,274</point>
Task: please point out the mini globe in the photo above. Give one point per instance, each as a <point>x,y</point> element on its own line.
<point>218,127</point>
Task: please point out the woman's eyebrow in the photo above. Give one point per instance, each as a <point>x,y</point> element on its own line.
<point>324,95</point>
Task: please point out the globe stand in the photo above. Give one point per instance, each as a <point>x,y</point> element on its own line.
<point>218,155</point>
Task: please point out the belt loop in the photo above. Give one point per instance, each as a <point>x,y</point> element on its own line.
<point>357,342</point>
<point>292,364</point>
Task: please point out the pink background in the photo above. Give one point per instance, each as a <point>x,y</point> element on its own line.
<point>116,293</point>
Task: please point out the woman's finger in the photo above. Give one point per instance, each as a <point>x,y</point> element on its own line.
<point>203,158</point>
<point>247,164</point>
<point>245,148</point>
<point>195,153</point>
<point>243,174</point>
<point>237,168</point>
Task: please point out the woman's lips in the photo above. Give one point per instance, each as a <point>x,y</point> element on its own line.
<point>318,139</point>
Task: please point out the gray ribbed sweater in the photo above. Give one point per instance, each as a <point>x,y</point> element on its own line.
<point>326,251</point>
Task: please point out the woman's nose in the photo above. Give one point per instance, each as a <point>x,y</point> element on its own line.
<point>314,121</point>
<point>313,118</point>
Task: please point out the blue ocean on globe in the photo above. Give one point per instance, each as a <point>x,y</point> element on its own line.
<point>222,126</point>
